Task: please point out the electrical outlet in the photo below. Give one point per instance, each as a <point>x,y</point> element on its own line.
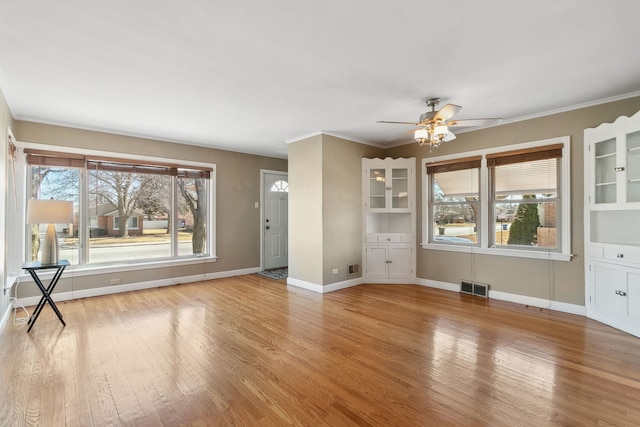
<point>115,281</point>
<point>334,271</point>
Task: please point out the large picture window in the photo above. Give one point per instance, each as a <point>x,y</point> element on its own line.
<point>124,210</point>
<point>509,201</point>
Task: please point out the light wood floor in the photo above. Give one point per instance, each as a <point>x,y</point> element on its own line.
<point>245,351</point>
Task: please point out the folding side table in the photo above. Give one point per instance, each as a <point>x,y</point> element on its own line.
<point>33,267</point>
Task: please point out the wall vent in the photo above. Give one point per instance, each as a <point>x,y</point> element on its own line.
<point>473,288</point>
<point>353,269</point>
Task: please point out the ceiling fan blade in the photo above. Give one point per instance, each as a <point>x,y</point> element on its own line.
<point>449,137</point>
<point>397,123</point>
<point>447,112</point>
<point>475,122</point>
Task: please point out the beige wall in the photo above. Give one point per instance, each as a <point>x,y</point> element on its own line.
<point>238,188</point>
<point>554,280</point>
<point>325,207</point>
<point>6,122</point>
<point>342,205</point>
<point>305,210</point>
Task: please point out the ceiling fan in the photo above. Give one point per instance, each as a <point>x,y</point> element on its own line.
<point>433,126</point>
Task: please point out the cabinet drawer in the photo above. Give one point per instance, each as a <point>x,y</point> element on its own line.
<point>622,254</point>
<point>388,238</point>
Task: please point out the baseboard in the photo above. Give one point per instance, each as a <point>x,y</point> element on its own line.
<point>5,317</point>
<point>323,289</point>
<point>518,299</point>
<point>629,327</point>
<point>539,302</point>
<point>114,289</point>
<point>445,286</point>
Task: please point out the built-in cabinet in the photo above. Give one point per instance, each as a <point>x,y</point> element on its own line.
<point>612,223</point>
<point>388,189</point>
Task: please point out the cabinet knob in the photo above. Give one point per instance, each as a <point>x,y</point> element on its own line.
<point>619,169</point>
<point>621,293</point>
<point>620,255</point>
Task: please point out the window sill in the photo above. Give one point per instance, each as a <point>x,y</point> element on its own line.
<point>90,270</point>
<point>554,256</point>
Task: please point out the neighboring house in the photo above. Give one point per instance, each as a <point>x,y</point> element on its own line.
<point>103,221</point>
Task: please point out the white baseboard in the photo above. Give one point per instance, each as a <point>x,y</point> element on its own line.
<point>5,316</point>
<point>518,299</point>
<point>445,286</point>
<point>323,289</point>
<point>114,289</point>
<point>539,302</point>
<point>453,287</point>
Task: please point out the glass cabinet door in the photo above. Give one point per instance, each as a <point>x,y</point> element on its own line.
<point>377,188</point>
<point>605,171</point>
<point>399,188</point>
<point>633,167</point>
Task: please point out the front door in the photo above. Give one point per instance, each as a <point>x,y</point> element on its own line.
<point>275,220</point>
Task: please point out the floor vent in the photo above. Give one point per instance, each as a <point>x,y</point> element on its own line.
<point>472,288</point>
<point>353,269</point>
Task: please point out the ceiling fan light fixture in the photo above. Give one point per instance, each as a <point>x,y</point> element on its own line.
<point>421,133</point>
<point>433,126</point>
<point>421,136</point>
<point>440,131</point>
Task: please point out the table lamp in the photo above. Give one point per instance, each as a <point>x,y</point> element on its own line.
<point>43,211</point>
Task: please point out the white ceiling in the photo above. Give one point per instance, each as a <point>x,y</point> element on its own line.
<point>250,75</point>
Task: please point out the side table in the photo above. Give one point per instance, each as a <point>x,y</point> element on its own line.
<point>33,267</point>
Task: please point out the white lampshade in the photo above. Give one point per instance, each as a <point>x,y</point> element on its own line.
<point>421,134</point>
<point>440,131</point>
<point>44,211</point>
<point>49,211</point>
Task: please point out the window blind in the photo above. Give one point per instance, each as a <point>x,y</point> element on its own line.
<point>525,155</point>
<point>453,165</point>
<point>456,178</point>
<point>52,158</point>
<point>527,171</point>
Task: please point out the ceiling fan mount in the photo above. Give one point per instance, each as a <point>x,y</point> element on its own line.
<point>433,126</point>
<point>433,102</point>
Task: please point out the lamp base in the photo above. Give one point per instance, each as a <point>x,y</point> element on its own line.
<point>50,248</point>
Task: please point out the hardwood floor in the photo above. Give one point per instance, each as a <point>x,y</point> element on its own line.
<point>247,351</point>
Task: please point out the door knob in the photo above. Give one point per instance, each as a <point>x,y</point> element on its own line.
<point>267,227</point>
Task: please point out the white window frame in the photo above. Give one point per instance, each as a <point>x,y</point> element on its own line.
<point>562,253</point>
<point>116,223</point>
<point>128,264</point>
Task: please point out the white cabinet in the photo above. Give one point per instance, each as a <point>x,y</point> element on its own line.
<point>612,228</point>
<point>388,185</point>
<point>388,261</point>
<point>614,168</point>
<point>614,276</point>
<point>388,188</point>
